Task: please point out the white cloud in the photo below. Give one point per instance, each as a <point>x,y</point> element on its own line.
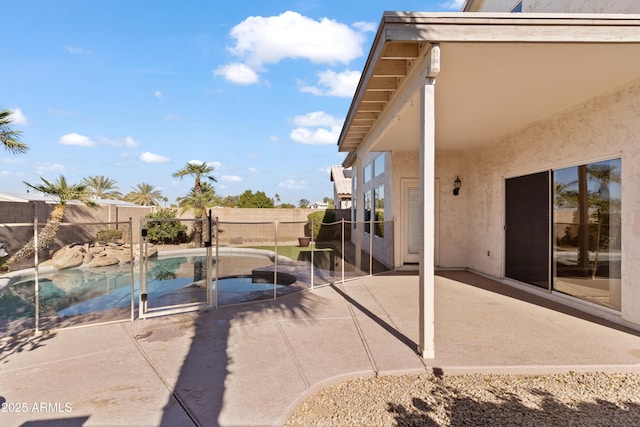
<point>127,141</point>
<point>318,136</point>
<point>18,117</point>
<point>237,73</point>
<point>292,184</point>
<point>453,4</point>
<point>149,157</point>
<point>12,160</point>
<point>76,139</point>
<point>43,167</point>
<point>170,117</point>
<point>267,40</point>
<point>274,138</point>
<point>316,128</point>
<point>262,40</point>
<point>231,178</point>
<point>316,118</point>
<point>75,50</point>
<point>158,94</point>
<point>365,26</point>
<point>331,83</point>
<point>253,170</point>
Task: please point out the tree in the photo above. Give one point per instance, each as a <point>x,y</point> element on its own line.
<point>196,199</point>
<point>303,203</point>
<point>144,194</point>
<point>165,231</point>
<point>63,193</point>
<point>230,201</point>
<point>9,137</point>
<point>258,200</point>
<point>197,170</point>
<point>198,202</point>
<point>102,187</point>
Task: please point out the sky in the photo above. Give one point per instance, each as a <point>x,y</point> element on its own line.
<point>134,90</point>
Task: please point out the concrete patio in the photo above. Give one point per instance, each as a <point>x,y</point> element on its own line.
<point>252,364</point>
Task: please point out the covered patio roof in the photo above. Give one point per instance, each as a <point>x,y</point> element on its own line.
<point>496,73</point>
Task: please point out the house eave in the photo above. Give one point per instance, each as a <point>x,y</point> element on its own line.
<point>404,38</point>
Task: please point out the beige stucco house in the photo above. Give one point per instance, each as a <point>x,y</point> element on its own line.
<point>537,116</point>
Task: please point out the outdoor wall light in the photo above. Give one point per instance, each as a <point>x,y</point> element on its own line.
<point>456,186</point>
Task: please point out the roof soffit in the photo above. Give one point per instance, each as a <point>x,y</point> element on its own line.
<point>404,38</point>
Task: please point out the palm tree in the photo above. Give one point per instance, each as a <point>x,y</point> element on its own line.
<point>63,193</point>
<point>102,187</point>
<point>144,194</point>
<point>197,202</point>
<point>198,170</point>
<point>9,137</point>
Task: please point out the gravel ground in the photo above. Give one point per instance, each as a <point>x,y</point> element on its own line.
<point>572,399</point>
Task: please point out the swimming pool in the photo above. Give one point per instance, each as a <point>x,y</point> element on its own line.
<point>177,276</point>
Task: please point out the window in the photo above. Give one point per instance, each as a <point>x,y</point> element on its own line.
<point>378,197</point>
<point>378,165</point>
<point>366,173</point>
<point>587,232</point>
<point>367,211</point>
<point>517,8</point>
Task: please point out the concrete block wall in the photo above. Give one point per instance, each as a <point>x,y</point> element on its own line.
<point>238,225</point>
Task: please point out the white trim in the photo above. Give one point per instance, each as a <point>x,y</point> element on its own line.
<point>405,185</point>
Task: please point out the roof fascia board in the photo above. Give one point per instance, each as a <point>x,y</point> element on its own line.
<point>509,27</point>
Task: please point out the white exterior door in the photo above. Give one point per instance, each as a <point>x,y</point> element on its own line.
<point>411,221</point>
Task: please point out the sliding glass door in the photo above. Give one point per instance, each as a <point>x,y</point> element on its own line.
<point>587,232</point>
<point>566,236</point>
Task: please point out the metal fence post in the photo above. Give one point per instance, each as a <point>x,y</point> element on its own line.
<point>217,258</point>
<point>133,277</point>
<point>275,263</point>
<point>142,282</point>
<point>371,226</point>
<point>312,251</point>
<point>342,250</point>
<point>209,261</point>
<point>36,276</point>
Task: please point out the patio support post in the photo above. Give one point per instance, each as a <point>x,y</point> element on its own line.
<point>426,295</point>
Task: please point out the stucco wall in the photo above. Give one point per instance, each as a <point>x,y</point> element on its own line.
<point>451,244</point>
<point>559,6</point>
<point>602,128</point>
<point>582,6</point>
<point>493,5</point>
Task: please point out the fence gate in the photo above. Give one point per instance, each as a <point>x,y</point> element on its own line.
<point>178,280</point>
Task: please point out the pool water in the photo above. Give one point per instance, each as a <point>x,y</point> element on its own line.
<point>83,290</point>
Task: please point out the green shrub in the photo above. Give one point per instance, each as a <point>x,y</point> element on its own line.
<point>164,232</point>
<point>108,235</point>
<point>316,219</point>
